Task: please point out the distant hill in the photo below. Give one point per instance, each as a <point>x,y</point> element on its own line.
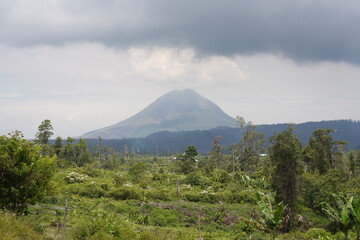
<point>166,143</point>
<point>183,110</point>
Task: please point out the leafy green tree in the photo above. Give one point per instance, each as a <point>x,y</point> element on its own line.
<point>81,153</point>
<point>191,152</point>
<point>285,154</point>
<point>24,174</point>
<point>58,146</point>
<point>250,147</point>
<point>352,163</point>
<point>45,131</point>
<point>319,153</point>
<point>186,162</point>
<point>315,188</point>
<point>110,158</point>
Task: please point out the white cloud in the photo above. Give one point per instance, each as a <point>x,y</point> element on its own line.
<point>182,67</point>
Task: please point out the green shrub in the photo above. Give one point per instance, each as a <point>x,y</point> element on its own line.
<point>315,188</point>
<point>92,171</point>
<point>25,175</point>
<point>239,197</point>
<point>102,236</point>
<point>147,236</point>
<point>201,197</point>
<point>90,189</point>
<point>13,228</point>
<point>314,233</point>
<point>125,193</point>
<point>158,194</point>
<point>164,217</point>
<point>119,179</point>
<point>103,225</point>
<point>196,179</point>
<point>137,171</point>
<point>220,176</point>
<point>296,235</point>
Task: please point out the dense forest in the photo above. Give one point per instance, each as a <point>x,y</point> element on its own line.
<point>263,184</point>
<point>168,143</point>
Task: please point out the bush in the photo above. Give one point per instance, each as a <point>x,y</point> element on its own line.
<point>101,225</point>
<point>315,188</point>
<point>125,193</point>
<point>220,176</point>
<point>240,197</point>
<point>314,233</point>
<point>147,236</point>
<point>13,228</point>
<point>157,194</point>
<point>119,179</point>
<point>91,190</point>
<point>196,179</point>
<point>164,217</point>
<point>25,175</point>
<point>201,197</point>
<point>74,177</point>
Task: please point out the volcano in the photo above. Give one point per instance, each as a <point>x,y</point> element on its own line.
<point>178,110</point>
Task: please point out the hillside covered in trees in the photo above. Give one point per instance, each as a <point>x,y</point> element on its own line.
<point>167,143</point>
<point>256,188</point>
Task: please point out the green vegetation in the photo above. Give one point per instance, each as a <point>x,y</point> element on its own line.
<point>72,192</point>
<point>24,174</point>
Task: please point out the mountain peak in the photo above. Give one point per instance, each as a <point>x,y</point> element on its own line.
<point>177,110</point>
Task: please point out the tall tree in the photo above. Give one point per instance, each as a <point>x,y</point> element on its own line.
<point>58,146</point>
<point>24,174</point>
<point>240,122</point>
<point>216,156</point>
<point>250,147</point>
<point>319,153</point>
<point>352,163</point>
<point>81,153</point>
<point>45,131</point>
<point>186,163</point>
<point>285,154</point>
<point>68,152</point>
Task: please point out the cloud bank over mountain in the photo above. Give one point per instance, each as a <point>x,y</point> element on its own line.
<point>306,30</point>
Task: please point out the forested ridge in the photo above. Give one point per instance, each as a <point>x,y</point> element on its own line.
<point>167,143</point>
<point>261,185</point>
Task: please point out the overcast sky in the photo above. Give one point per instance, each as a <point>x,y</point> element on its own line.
<point>87,64</point>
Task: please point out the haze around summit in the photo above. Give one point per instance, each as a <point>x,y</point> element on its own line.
<point>89,64</point>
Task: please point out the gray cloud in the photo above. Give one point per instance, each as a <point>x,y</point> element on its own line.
<point>306,30</point>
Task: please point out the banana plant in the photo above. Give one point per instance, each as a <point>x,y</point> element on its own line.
<point>343,214</point>
<point>271,216</point>
<point>357,217</point>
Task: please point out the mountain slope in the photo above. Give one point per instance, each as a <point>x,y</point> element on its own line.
<point>183,110</point>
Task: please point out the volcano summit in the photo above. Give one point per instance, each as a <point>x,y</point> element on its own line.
<point>178,110</point>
